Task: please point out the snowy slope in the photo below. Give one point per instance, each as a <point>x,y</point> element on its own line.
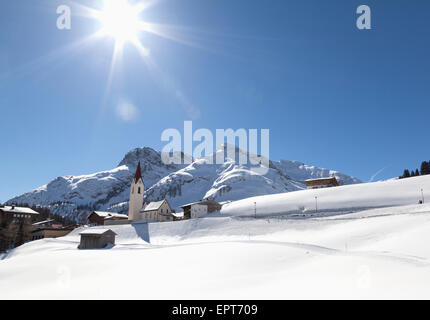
<point>343,198</point>
<point>374,254</point>
<point>109,190</point>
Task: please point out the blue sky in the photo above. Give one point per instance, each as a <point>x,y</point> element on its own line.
<point>332,95</point>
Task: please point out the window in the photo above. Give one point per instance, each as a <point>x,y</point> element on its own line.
<point>138,190</point>
<point>132,190</point>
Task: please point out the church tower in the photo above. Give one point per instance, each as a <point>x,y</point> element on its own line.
<point>136,195</point>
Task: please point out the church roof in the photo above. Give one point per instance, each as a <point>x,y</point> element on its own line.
<point>138,174</point>
<point>150,206</point>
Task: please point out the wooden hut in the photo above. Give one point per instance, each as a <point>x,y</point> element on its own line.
<point>96,238</point>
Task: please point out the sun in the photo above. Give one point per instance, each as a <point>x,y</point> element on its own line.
<point>120,20</point>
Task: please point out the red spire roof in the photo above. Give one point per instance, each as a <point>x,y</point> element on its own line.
<point>138,174</point>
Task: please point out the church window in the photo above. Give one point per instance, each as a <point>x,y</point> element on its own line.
<point>138,190</point>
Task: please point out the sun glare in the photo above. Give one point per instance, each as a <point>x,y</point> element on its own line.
<point>120,20</point>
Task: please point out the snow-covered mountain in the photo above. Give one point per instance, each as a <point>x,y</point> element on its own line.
<point>109,190</point>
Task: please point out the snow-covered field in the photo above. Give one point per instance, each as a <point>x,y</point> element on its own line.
<point>381,253</point>
<point>368,254</point>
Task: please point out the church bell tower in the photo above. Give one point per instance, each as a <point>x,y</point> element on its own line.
<point>136,195</point>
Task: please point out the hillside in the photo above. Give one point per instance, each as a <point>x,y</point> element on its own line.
<point>109,190</point>
<point>340,199</point>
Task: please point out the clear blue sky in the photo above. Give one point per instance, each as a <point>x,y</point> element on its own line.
<point>332,96</point>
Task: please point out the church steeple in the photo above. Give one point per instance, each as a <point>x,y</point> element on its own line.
<point>138,174</point>
<point>137,189</point>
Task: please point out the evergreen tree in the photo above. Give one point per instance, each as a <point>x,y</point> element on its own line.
<point>406,174</point>
<point>412,173</point>
<point>417,173</point>
<point>425,168</point>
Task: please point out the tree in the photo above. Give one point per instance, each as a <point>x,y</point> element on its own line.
<point>417,173</point>
<point>406,174</point>
<point>425,168</point>
<point>412,173</point>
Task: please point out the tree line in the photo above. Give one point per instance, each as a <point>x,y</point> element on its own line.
<point>424,170</point>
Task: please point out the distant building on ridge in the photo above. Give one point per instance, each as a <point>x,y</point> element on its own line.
<point>322,183</point>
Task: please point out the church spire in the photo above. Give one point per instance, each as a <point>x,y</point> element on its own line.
<point>137,190</point>
<point>138,174</point>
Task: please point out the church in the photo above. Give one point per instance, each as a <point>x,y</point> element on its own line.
<point>151,211</point>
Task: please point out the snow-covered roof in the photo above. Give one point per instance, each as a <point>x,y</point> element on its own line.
<point>110,215</point>
<point>122,216</point>
<point>95,231</point>
<point>201,202</point>
<point>151,206</point>
<point>178,214</point>
<point>321,179</point>
<point>43,222</point>
<point>11,209</point>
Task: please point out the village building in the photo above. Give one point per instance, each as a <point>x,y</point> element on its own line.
<point>150,211</point>
<point>54,231</point>
<point>157,211</point>
<point>94,238</point>
<point>200,209</point>
<point>9,214</point>
<point>322,183</point>
<point>15,226</point>
<point>99,218</point>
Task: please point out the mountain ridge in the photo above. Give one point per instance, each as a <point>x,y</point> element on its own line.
<point>108,190</point>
